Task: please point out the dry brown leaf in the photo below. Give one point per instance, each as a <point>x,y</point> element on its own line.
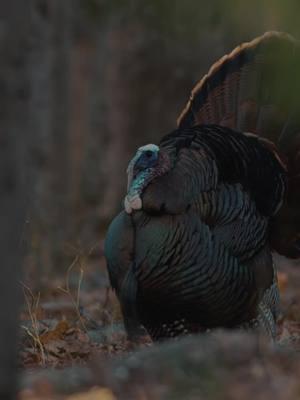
<point>56,334</point>
<point>282,281</point>
<point>56,348</point>
<point>94,394</point>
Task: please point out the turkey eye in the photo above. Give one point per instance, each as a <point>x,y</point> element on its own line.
<point>148,153</point>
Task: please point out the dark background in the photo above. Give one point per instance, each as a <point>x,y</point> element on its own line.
<point>104,78</point>
<point>83,83</point>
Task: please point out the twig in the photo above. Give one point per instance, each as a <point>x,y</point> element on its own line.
<point>32,306</point>
<point>67,290</point>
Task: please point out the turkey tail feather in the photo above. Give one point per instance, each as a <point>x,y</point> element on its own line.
<point>256,88</point>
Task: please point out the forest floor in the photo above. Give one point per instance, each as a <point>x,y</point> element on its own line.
<point>73,346</point>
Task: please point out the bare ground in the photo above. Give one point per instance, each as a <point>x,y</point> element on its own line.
<point>73,346</point>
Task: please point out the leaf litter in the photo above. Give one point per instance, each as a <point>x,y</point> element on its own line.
<point>72,325</point>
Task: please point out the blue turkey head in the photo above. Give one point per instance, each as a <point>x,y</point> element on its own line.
<point>142,169</point>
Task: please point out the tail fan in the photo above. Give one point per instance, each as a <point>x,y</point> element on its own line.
<point>256,88</point>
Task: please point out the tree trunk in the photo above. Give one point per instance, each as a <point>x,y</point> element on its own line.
<point>110,130</point>
<point>15,182</point>
<point>50,82</point>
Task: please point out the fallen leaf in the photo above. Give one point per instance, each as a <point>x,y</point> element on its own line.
<point>94,394</point>
<point>55,347</point>
<point>56,334</point>
<point>282,281</point>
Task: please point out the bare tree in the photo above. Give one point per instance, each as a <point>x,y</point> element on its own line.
<point>51,26</point>
<point>14,177</point>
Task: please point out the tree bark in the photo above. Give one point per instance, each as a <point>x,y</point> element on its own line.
<point>50,83</point>
<point>15,182</point>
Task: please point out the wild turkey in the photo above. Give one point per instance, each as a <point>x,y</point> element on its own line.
<point>207,206</point>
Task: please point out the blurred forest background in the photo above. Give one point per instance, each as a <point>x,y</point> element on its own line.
<point>83,83</point>
<point>106,76</point>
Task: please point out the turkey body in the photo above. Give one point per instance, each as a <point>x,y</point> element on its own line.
<point>198,256</point>
<point>195,251</point>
